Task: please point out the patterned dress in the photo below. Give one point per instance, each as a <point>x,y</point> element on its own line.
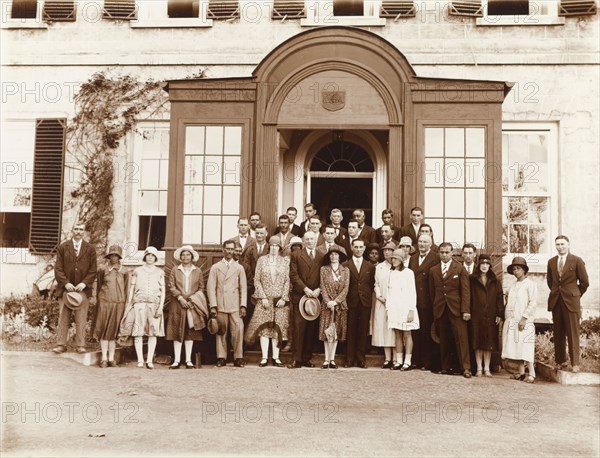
<point>522,299</point>
<point>149,287</point>
<point>271,281</point>
<point>113,282</point>
<point>334,287</point>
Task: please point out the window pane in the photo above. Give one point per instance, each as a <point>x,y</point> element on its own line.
<point>517,209</point>
<point>434,142</point>
<point>213,169</point>
<point>232,170</point>
<point>231,200</point>
<point>233,140</point>
<point>17,145</point>
<point>438,229</point>
<point>214,139</point>
<point>155,142</point>
<point>212,200</point>
<point>163,182</point>
<point>475,232</point>
<point>194,169</point>
<point>194,140</point>
<point>475,141</point>
<point>14,230</point>
<point>162,201</point>
<point>149,202</point>
<point>229,227</point>
<point>455,142</point>
<point>151,232</point>
<point>538,240</point>
<point>16,199</point>
<point>192,229</point>
<point>192,199</point>
<point>454,173</point>
<point>212,230</point>
<point>150,174</point>
<point>475,173</point>
<point>475,207</point>
<point>538,210</point>
<point>454,232</point>
<point>434,203</point>
<point>433,174</point>
<point>518,238</point>
<point>455,203</point>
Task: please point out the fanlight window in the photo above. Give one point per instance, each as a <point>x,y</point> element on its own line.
<point>341,156</point>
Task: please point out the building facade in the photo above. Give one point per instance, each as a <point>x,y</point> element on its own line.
<point>485,114</point>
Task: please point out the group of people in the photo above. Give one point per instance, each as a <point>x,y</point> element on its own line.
<point>422,307</point>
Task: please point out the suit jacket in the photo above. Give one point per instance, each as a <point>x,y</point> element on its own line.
<point>395,235</point>
<point>342,235</point>
<point>250,257</point>
<point>249,242</point>
<point>453,292</point>
<point>70,268</point>
<point>304,272</point>
<point>409,231</point>
<point>294,230</point>
<point>227,288</point>
<point>571,286</point>
<point>368,234</point>
<point>304,226</point>
<point>424,299</point>
<point>362,284</point>
<point>322,248</point>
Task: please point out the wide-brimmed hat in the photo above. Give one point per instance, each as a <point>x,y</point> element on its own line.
<point>188,248</point>
<point>310,308</point>
<point>150,250</point>
<point>114,249</point>
<point>389,246</point>
<point>398,253</point>
<point>74,299</point>
<point>217,325</point>
<point>484,258</point>
<point>518,261</point>
<point>335,249</point>
<point>407,241</point>
<point>275,240</point>
<point>295,241</point>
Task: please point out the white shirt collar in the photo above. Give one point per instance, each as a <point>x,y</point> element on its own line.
<point>180,267</point>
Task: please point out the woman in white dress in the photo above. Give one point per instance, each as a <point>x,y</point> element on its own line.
<point>518,333</point>
<point>382,335</point>
<point>401,304</point>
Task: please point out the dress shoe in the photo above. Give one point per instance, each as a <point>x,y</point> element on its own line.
<point>423,368</point>
<point>405,367</point>
<point>112,364</point>
<point>263,363</point>
<point>286,348</point>
<point>446,372</point>
<point>479,373</point>
<point>487,373</point>
<point>386,365</point>
<point>149,366</point>
<point>295,365</point>
<point>308,364</point>
<point>175,365</point>
<point>59,349</point>
<point>277,363</point>
<point>220,362</point>
<point>467,374</point>
<point>103,364</point>
<point>81,350</point>
<point>332,365</point>
<point>575,369</point>
<point>239,362</point>
<point>396,367</point>
<point>362,365</point>
<point>325,365</point>
<point>189,365</point>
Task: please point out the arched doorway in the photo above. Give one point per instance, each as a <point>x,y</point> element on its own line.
<point>341,176</point>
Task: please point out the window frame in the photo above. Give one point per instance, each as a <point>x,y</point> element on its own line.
<point>142,19</point>
<point>537,262</point>
<point>8,22</point>
<point>321,13</point>
<point>541,13</point>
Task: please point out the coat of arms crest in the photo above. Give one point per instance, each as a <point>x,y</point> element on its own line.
<point>333,100</point>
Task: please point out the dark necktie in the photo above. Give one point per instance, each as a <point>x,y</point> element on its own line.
<point>561,266</point>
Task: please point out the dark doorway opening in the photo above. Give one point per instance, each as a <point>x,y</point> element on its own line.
<point>346,194</point>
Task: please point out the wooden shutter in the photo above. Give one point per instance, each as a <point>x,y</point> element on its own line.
<point>63,11</point>
<point>288,10</point>
<point>396,10</point>
<point>223,10</point>
<point>119,9</point>
<point>24,9</point>
<point>468,8</point>
<point>577,8</point>
<point>47,192</point>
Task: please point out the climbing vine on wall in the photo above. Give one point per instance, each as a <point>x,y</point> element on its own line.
<point>107,108</point>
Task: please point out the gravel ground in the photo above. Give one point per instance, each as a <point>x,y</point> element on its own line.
<point>54,406</point>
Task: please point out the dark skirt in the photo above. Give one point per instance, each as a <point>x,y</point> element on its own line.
<point>484,331</point>
<point>177,324</point>
<point>108,319</point>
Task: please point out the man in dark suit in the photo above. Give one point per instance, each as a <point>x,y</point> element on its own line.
<point>244,239</point>
<point>341,233</point>
<point>412,229</point>
<point>386,235</point>
<point>387,216</point>
<point>352,235</point>
<point>426,351</point>
<point>305,271</point>
<point>75,270</point>
<point>468,254</point>
<point>255,220</point>
<point>284,231</point>
<point>329,241</point>
<point>450,290</point>
<point>309,210</point>
<point>568,280</point>
<point>250,258</point>
<point>292,213</point>
<point>426,229</point>
<point>359,298</point>
<point>365,232</point>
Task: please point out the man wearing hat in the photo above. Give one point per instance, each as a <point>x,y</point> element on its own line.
<point>426,351</point>
<point>305,268</point>
<point>568,280</point>
<point>451,294</point>
<point>75,272</point>
<point>227,295</point>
